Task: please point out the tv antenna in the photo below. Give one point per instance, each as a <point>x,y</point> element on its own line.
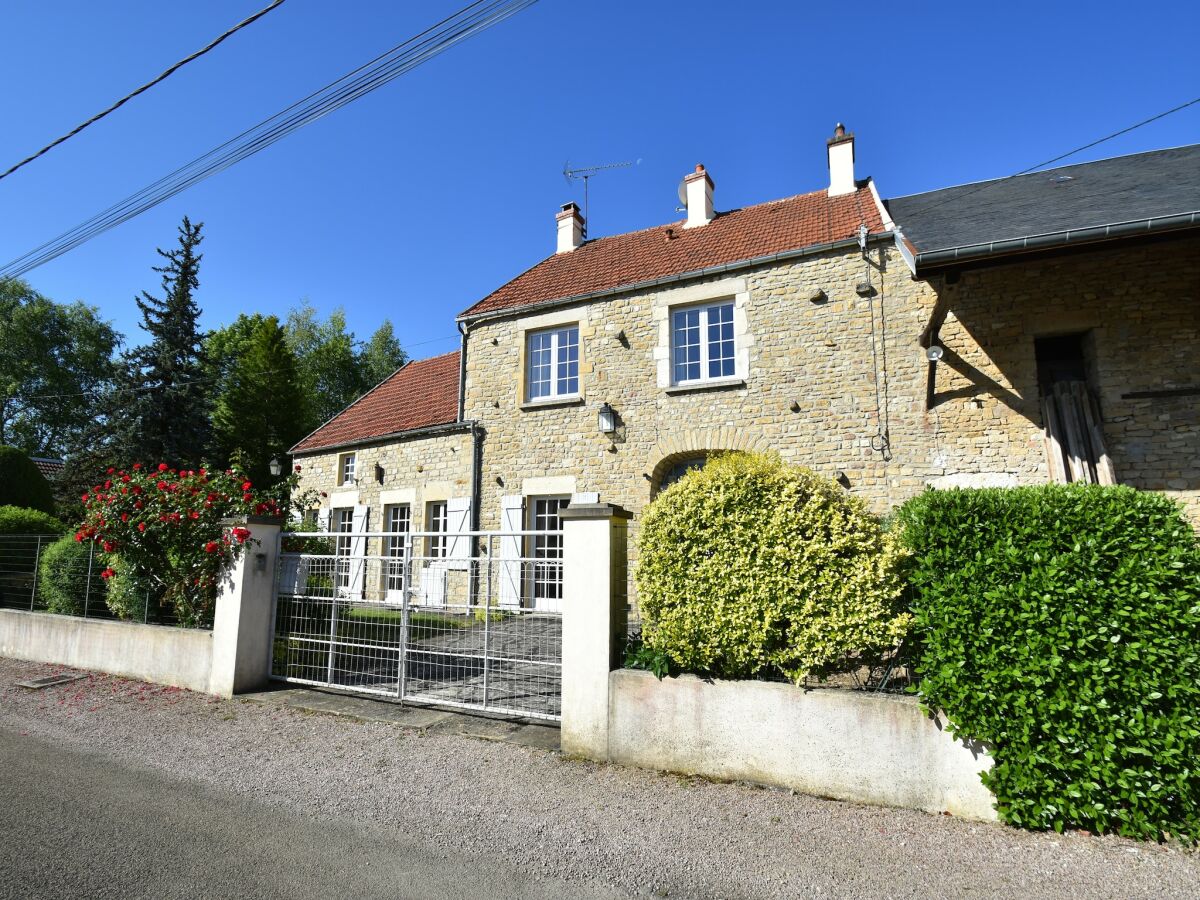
<point>583,173</point>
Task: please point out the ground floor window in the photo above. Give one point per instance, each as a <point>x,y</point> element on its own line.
<point>681,468</point>
<point>435,523</point>
<point>397,520</point>
<point>545,548</point>
<point>342,523</point>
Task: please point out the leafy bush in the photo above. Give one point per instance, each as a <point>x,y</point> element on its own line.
<point>21,484</point>
<point>1060,626</point>
<point>21,520</point>
<point>63,577</point>
<point>166,529</point>
<point>749,567</point>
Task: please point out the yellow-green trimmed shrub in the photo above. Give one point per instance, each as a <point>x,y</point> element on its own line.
<point>752,568</point>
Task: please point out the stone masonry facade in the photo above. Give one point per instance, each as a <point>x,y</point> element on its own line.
<point>416,471</point>
<point>831,376</point>
<point>836,381</point>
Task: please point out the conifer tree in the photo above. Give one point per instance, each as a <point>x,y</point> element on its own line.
<point>162,405</point>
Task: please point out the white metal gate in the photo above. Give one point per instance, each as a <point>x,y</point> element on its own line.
<point>460,619</point>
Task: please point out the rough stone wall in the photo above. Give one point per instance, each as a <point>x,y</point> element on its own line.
<point>416,471</point>
<point>1140,309</point>
<point>852,367</point>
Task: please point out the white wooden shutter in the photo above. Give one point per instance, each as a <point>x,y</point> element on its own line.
<point>293,573</point>
<point>458,524</point>
<point>433,584</point>
<point>512,518</point>
<point>358,550</point>
<point>323,517</point>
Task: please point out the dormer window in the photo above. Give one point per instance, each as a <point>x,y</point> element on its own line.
<point>346,463</point>
<point>552,369</point>
<point>702,343</point>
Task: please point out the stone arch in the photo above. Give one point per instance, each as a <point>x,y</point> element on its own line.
<point>694,442</point>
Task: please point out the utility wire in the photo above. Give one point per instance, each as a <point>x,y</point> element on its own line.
<point>401,59</point>
<point>1060,157</point>
<point>145,87</point>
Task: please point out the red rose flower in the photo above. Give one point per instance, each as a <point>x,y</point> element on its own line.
<point>107,573</point>
<point>247,497</point>
<point>210,547</point>
<point>111,470</point>
<point>162,467</point>
<point>246,485</point>
<point>298,468</point>
<point>137,466</point>
<point>109,547</point>
<point>162,485</point>
<point>141,526</point>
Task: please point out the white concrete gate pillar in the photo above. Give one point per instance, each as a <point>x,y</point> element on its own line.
<point>595,597</point>
<point>242,639</point>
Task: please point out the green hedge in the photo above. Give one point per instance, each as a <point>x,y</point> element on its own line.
<point>63,577</point>
<point>21,484</point>
<point>20,520</point>
<point>752,568</point>
<point>1060,626</point>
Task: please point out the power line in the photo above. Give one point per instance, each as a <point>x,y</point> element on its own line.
<point>1060,157</point>
<point>145,87</point>
<point>401,59</point>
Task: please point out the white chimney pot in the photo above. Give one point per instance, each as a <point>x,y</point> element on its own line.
<point>570,228</point>
<point>699,187</point>
<point>841,162</point>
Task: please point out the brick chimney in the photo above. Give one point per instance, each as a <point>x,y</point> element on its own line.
<point>570,228</point>
<point>699,192</point>
<point>841,162</point>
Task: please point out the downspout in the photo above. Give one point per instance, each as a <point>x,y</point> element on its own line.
<point>476,437</point>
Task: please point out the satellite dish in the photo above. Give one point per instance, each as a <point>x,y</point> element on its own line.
<point>683,192</point>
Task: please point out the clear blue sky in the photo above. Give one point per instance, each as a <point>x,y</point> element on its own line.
<point>422,197</point>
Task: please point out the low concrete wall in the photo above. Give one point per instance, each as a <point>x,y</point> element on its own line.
<point>177,656</point>
<point>869,748</point>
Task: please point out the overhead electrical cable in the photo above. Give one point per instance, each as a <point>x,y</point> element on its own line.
<point>401,59</point>
<point>145,87</point>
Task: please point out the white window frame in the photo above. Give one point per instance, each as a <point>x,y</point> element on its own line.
<point>347,466</point>
<point>437,543</point>
<point>396,549</point>
<point>556,335</point>
<point>544,554</point>
<point>342,524</point>
<point>705,310</point>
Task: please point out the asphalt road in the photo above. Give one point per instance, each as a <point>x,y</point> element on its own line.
<point>79,825</point>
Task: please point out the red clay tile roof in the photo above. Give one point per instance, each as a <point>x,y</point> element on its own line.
<point>50,468</point>
<point>421,394</point>
<point>639,256</point>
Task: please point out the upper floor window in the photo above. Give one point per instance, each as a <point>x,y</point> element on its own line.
<point>702,343</point>
<point>553,367</point>
<point>346,468</point>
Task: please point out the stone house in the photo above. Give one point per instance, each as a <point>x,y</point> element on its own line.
<point>890,346</point>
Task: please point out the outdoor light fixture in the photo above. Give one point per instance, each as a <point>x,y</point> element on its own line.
<point>275,466</point>
<point>379,473</point>
<point>607,419</point>
<point>933,352</point>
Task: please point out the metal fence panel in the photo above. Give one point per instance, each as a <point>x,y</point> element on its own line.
<point>473,622</point>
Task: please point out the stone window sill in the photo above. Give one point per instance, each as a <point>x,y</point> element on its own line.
<point>552,402</point>
<point>715,384</point>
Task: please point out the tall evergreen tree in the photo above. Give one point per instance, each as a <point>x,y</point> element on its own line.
<point>161,405</point>
<point>259,412</point>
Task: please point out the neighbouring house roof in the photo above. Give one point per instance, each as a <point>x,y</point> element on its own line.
<point>50,468</point>
<point>419,395</point>
<point>1126,196</point>
<point>638,257</point>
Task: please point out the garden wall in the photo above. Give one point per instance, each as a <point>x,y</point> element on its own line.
<point>848,745</point>
<point>159,653</point>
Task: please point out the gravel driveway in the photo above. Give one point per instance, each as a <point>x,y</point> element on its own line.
<point>642,833</point>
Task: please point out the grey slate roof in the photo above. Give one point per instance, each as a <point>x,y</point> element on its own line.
<point>1158,185</point>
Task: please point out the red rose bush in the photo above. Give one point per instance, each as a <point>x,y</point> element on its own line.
<point>161,537</point>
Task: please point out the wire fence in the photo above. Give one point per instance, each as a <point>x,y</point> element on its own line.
<point>52,574</point>
<point>471,620</point>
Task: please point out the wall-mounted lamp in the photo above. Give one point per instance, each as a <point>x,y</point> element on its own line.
<point>275,466</point>
<point>607,419</point>
<point>933,352</point>
<point>379,473</point>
